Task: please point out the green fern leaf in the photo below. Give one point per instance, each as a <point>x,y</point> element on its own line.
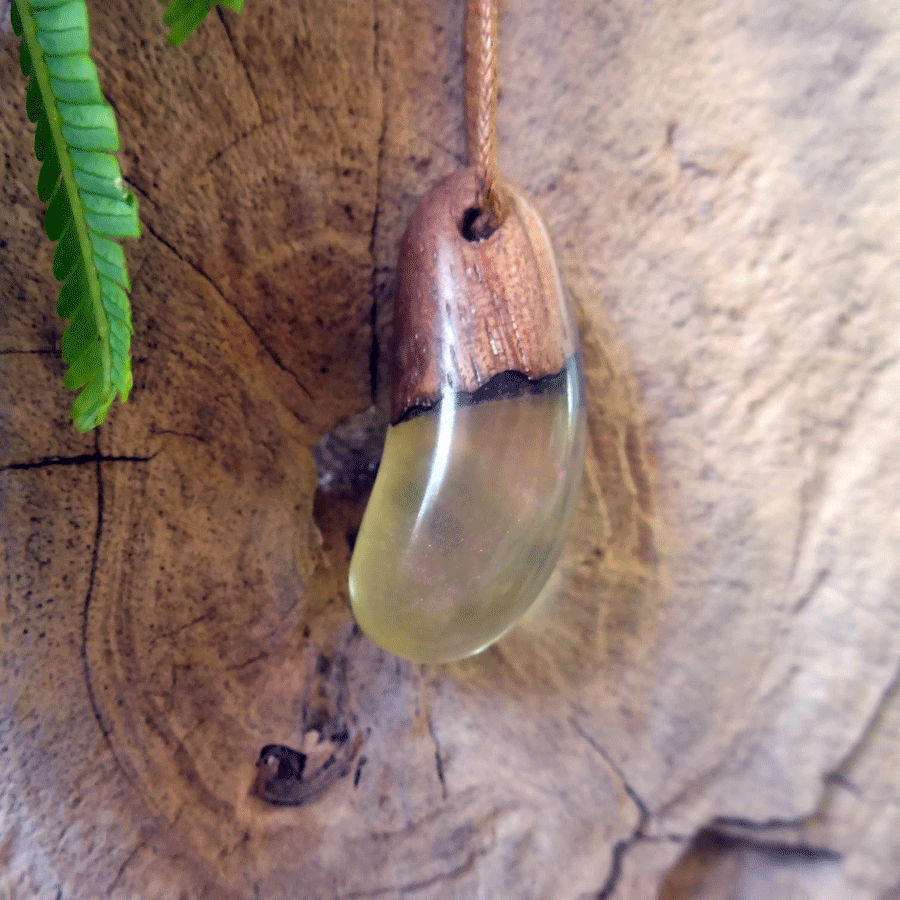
<point>185,16</point>
<point>88,204</point>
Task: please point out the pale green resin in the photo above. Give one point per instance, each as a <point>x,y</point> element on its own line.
<point>466,520</point>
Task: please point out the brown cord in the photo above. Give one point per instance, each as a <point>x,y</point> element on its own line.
<point>481,112</point>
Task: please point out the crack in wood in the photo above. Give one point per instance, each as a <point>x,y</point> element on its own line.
<point>203,617</point>
<point>438,761</point>
<point>891,690</point>
<point>241,63</point>
<point>763,835</point>
<point>411,887</point>
<point>85,613</point>
<point>258,657</point>
<point>620,848</point>
<point>271,353</point>
<point>664,838</point>
<point>29,352</point>
<point>239,139</point>
<point>741,824</point>
<point>643,812</point>
<point>127,861</point>
<point>80,460</point>
<point>357,775</point>
<point>818,581</point>
<point>782,851</point>
<point>738,828</point>
<point>615,867</point>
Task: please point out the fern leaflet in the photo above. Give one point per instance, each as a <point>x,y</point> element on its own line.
<point>185,16</point>
<point>88,203</point>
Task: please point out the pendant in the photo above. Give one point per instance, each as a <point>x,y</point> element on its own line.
<point>483,459</point>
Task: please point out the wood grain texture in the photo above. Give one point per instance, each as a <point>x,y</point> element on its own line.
<point>722,648</point>
<point>465,311</point>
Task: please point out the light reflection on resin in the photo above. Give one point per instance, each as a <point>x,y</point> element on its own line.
<point>467,517</point>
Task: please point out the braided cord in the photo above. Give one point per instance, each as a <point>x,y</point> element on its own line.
<point>481,109</point>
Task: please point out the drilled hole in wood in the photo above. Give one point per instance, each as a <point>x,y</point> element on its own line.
<point>476,225</point>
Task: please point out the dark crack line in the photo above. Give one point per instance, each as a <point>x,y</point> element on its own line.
<point>821,577</point>
<point>241,63</point>
<point>80,460</point>
<point>812,487</point>
<point>620,848</point>
<point>236,667</point>
<point>664,838</point>
<point>800,852</point>
<point>831,779</point>
<point>117,112</point>
<point>263,122</point>
<point>271,353</point>
<point>887,695</point>
<point>704,778</point>
<point>184,435</point>
<point>404,889</point>
<point>740,824</point>
<point>144,193</point>
<point>374,349</point>
<point>438,761</point>
<point>643,812</point>
<point>615,867</point>
<point>124,866</point>
<point>137,275</point>
<point>203,617</point>
<point>359,767</point>
<point>777,850</point>
<point>28,352</point>
<point>86,608</point>
<point>808,490</point>
<point>239,139</point>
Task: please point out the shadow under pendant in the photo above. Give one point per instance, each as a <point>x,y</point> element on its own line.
<point>484,456</point>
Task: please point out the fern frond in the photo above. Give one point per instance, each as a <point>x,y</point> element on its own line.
<point>88,203</point>
<point>185,16</point>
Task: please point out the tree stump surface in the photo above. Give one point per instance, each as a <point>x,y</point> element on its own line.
<point>719,656</point>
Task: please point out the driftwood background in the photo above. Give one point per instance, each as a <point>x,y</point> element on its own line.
<point>707,704</point>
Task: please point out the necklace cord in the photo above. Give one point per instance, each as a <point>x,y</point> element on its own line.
<point>481,112</point>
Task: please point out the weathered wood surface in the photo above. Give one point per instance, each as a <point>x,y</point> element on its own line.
<point>722,180</point>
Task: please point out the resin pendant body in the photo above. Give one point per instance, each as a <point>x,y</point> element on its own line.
<point>483,460</point>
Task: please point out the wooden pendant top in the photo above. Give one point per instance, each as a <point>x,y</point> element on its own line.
<point>465,311</point>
